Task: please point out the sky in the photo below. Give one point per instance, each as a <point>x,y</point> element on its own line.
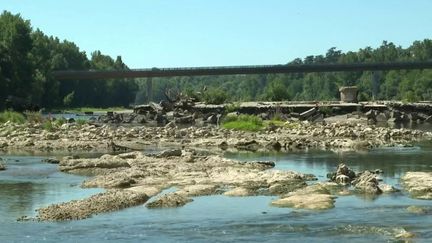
<point>187,33</point>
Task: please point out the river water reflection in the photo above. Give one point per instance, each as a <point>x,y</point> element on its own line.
<point>28,184</point>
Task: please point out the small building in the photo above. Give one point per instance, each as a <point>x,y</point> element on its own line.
<point>348,94</point>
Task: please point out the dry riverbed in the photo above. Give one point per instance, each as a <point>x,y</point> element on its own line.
<point>289,136</point>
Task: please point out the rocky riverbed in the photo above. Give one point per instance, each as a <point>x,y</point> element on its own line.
<point>135,178</point>
<point>286,136</point>
<point>132,178</point>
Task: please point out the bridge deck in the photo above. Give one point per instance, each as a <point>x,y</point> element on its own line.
<point>232,70</point>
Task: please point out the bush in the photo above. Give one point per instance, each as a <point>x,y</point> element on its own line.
<point>12,116</point>
<point>34,117</point>
<point>60,121</point>
<point>215,96</point>
<point>243,122</point>
<point>81,122</point>
<point>48,125</point>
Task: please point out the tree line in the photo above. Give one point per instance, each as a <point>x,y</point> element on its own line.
<point>28,57</point>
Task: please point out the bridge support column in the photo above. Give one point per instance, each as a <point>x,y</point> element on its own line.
<point>376,76</point>
<point>149,89</point>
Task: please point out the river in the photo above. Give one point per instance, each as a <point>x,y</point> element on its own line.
<point>28,184</point>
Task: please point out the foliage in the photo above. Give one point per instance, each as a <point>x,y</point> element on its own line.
<point>48,125</point>
<point>59,122</point>
<point>14,117</point>
<point>81,122</point>
<point>215,96</point>
<point>232,107</point>
<point>28,57</point>
<point>243,122</point>
<point>34,117</point>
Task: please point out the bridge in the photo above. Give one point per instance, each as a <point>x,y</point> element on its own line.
<point>232,70</point>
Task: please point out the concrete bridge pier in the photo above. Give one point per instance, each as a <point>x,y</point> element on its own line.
<point>149,89</point>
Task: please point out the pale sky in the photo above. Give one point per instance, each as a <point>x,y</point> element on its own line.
<point>181,33</point>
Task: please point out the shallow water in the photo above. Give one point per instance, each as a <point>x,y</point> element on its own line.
<point>29,184</point>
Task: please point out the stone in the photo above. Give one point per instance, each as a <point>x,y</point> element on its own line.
<point>386,188</point>
<point>348,94</point>
<point>417,210</point>
<point>315,197</point>
<point>51,160</point>
<point>2,166</point>
<point>169,153</point>
<point>99,203</point>
<point>248,145</point>
<point>381,117</point>
<point>418,184</point>
<point>306,201</point>
<point>170,200</point>
<point>198,190</point>
<point>343,179</point>
<point>239,192</point>
<point>367,183</point>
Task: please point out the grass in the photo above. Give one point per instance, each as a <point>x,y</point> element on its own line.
<point>243,123</point>
<point>14,117</point>
<point>34,117</point>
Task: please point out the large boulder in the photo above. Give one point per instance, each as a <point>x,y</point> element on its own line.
<point>367,183</point>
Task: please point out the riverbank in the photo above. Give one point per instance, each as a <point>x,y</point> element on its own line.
<point>283,136</point>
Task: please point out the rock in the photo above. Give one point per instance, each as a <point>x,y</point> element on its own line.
<point>381,117</point>
<point>274,145</point>
<point>169,153</point>
<point>418,184</point>
<point>99,203</point>
<point>316,197</point>
<point>404,235</point>
<point>185,120</point>
<point>248,145</point>
<point>144,189</point>
<point>367,183</point>
<point>343,175</point>
<point>417,210</point>
<point>51,160</point>
<point>170,200</point>
<point>239,192</point>
<point>198,190</point>
<point>89,166</point>
<point>306,201</point>
<point>223,145</point>
<point>156,107</point>
<point>386,188</point>
<point>285,187</point>
<point>2,166</point>
<point>343,179</point>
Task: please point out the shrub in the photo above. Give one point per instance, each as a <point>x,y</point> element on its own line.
<point>243,122</point>
<point>60,121</point>
<point>12,116</point>
<point>48,125</point>
<point>34,117</point>
<point>81,122</point>
<point>215,96</point>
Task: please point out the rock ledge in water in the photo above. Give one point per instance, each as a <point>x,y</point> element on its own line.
<point>80,209</point>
